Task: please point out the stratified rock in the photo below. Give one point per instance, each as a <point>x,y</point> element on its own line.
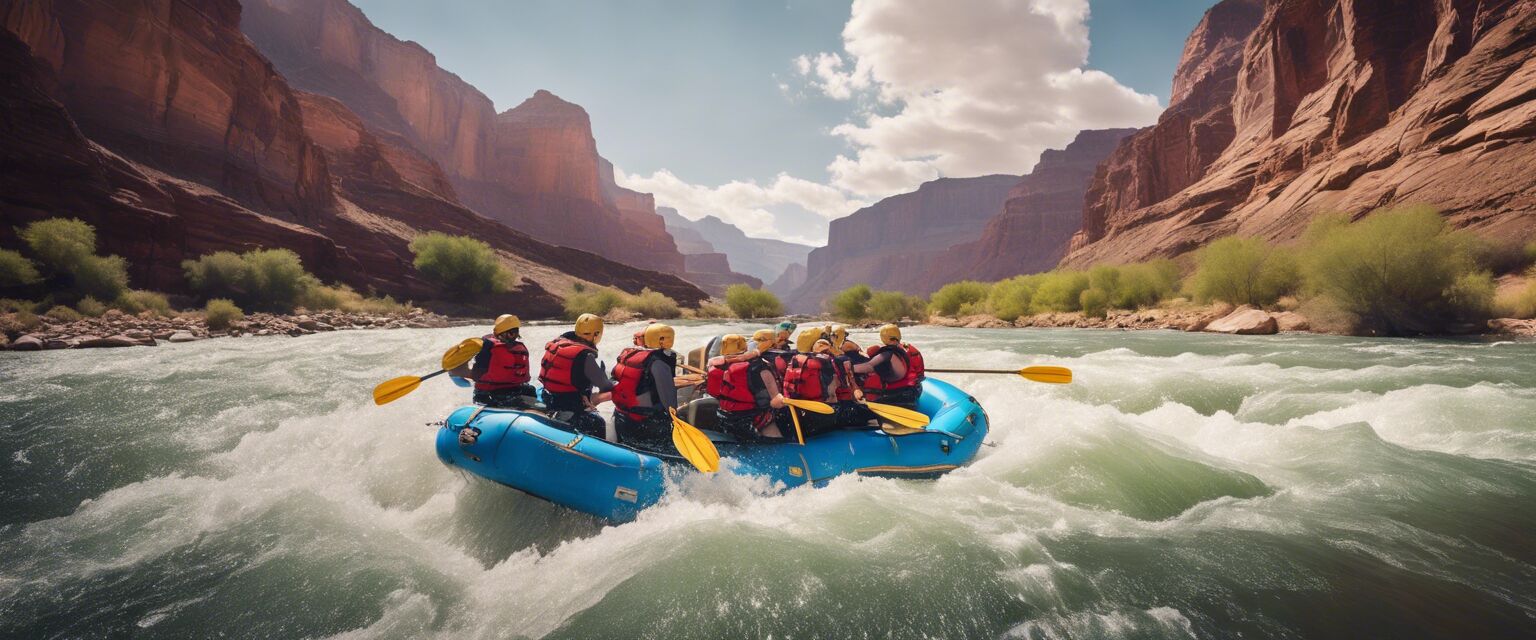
<point>889,244</point>
<point>1330,106</point>
<point>27,342</point>
<point>761,258</point>
<point>789,281</point>
<point>180,337</point>
<point>1245,321</point>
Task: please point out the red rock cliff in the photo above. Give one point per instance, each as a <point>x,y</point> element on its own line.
<point>534,167</point>
<point>1334,106</point>
<point>1042,212</point>
<point>887,245</point>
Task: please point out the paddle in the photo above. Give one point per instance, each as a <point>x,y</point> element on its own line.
<point>794,416</point>
<point>1046,374</point>
<point>392,390</point>
<point>811,406</point>
<point>694,445</point>
<point>899,415</point>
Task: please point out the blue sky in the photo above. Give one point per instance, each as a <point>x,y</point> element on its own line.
<point>704,103</point>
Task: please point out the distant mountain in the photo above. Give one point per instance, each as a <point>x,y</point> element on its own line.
<point>760,258</point>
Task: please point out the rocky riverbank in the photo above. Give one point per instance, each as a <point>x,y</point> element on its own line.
<point>1245,320</point>
<point>117,329</point>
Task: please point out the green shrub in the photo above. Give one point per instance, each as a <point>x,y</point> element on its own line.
<point>268,279</point>
<point>63,314</point>
<point>217,273</point>
<point>747,302</point>
<point>893,306</point>
<point>16,269</point>
<point>594,300</point>
<point>851,304</point>
<point>460,264</point>
<point>1059,291</point>
<point>90,306</point>
<point>1244,271</point>
<point>952,297</point>
<point>12,305</point>
<point>21,321</point>
<point>221,314</point>
<point>136,302</point>
<point>1094,302</point>
<point>1503,256</point>
<point>343,298</point>
<point>1013,298</point>
<point>104,277</point>
<point>1400,272</point>
<point>61,244</point>
<point>653,304</point>
<point>1530,252</point>
<point>1144,284</point>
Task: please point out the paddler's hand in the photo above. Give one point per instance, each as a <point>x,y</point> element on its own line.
<point>777,402</point>
<point>593,401</point>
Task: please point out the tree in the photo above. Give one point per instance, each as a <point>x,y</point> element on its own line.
<point>460,264</point>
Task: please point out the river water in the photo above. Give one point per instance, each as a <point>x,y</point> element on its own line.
<point>1184,486</point>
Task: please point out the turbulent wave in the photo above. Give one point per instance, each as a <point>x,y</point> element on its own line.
<point>1185,486</point>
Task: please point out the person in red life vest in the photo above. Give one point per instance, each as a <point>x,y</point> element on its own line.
<point>743,382</point>
<point>779,355</point>
<point>500,370</point>
<point>570,370</point>
<point>643,391</point>
<point>812,375</point>
<point>896,368</point>
<point>850,408</point>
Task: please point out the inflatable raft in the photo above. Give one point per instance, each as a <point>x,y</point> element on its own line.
<point>539,456</point>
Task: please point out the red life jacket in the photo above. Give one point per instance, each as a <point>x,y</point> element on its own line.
<point>632,377</point>
<point>885,375</point>
<point>845,378</point>
<point>735,385</point>
<point>778,359</point>
<point>508,367</point>
<point>807,377</point>
<point>557,370</point>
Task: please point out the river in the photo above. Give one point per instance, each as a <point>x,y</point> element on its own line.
<point>1184,486</point>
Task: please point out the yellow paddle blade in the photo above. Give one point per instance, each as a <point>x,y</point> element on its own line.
<point>461,353</point>
<point>391,390</point>
<point>1047,374</point>
<point>795,416</point>
<point>694,445</point>
<point>899,415</point>
<point>810,405</point>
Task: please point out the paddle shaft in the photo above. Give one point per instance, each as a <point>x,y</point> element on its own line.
<point>1011,372</point>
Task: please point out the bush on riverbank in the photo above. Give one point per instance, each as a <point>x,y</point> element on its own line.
<point>16,270</point>
<point>1241,271</point>
<point>600,301</point>
<point>1398,272</point>
<point>220,314</point>
<point>136,302</point>
<point>748,303</point>
<point>275,280</point>
<point>652,304</point>
<point>461,264</point>
<point>711,311</point>
<point>1522,303</point>
<point>851,304</point>
<point>959,298</point>
<point>894,306</point>
<point>66,249</point>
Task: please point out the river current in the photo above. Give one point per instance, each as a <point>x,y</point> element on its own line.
<point>1184,486</point>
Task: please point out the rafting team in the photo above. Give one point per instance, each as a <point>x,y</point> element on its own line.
<point>749,381</point>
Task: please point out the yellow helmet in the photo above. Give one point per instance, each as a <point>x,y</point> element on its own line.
<point>890,334</point>
<point>764,339</point>
<point>839,335</point>
<point>589,327</point>
<point>659,336</point>
<point>732,344</point>
<point>506,322</point>
<point>807,339</point>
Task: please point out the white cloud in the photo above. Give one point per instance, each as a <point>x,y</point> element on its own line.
<point>745,204</point>
<point>971,88</point>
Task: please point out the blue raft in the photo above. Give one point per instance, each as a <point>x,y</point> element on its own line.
<point>531,453</point>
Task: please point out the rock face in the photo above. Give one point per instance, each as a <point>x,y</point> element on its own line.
<point>761,258</point>
<point>703,266</point>
<point>1042,212</point>
<point>889,244</point>
<point>792,279</point>
<point>1328,106</point>
<point>534,167</point>
<point>159,123</point>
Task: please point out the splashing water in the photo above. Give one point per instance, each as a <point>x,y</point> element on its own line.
<point>1184,486</point>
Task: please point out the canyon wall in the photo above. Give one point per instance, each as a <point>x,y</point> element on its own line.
<point>761,258</point>
<point>1288,109</point>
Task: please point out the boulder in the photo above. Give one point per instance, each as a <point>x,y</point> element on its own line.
<point>1292,321</point>
<point>1246,321</point>
<point>27,342</point>
<point>181,336</point>
<point>108,342</point>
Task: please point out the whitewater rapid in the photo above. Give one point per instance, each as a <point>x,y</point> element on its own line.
<point>1184,486</point>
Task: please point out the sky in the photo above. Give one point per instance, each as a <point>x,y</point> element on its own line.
<point>782,115</point>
